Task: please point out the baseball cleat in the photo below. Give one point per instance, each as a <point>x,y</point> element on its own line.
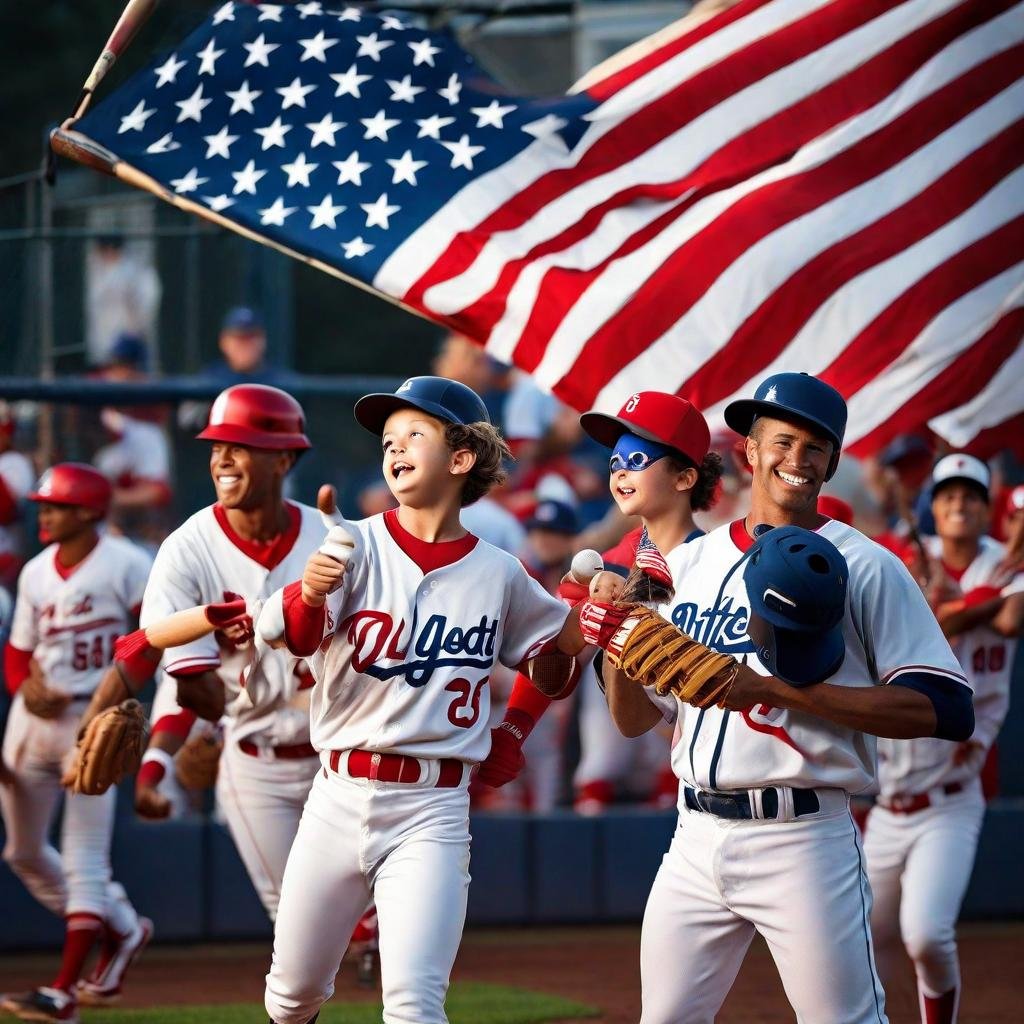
<point>103,986</point>
<point>42,1004</point>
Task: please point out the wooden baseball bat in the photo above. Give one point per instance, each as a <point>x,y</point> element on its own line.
<point>133,17</point>
<point>180,628</point>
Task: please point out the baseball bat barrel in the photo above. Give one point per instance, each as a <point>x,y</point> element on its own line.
<point>180,628</point>
<point>133,17</point>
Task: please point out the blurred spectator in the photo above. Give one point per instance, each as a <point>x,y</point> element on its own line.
<point>243,353</point>
<point>464,360</point>
<point>16,478</point>
<point>542,433</point>
<point>243,347</point>
<point>897,480</point>
<point>128,361</point>
<point>835,508</point>
<point>1008,524</point>
<point>495,524</point>
<point>137,463</point>
<point>122,296</point>
<point>550,542</point>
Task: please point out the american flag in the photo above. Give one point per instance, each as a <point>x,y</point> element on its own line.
<point>832,186</point>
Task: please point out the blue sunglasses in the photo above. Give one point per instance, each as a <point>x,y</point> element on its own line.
<point>633,461</point>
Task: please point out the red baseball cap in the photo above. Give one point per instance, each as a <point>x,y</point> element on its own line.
<point>668,419</point>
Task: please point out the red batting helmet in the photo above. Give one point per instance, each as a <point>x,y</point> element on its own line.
<point>257,416</point>
<point>74,483</point>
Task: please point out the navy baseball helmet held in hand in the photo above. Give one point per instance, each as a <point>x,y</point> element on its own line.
<point>799,396</point>
<point>446,399</point>
<point>797,583</point>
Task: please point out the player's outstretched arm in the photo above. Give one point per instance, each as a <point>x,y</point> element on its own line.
<point>934,706</point>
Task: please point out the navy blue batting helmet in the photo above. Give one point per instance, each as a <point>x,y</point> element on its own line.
<point>786,396</point>
<point>796,581</point>
<point>446,399</point>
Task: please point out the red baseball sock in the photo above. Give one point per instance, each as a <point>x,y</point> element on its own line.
<point>939,1009</point>
<point>82,931</point>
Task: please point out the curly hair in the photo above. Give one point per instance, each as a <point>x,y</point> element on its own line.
<point>490,449</point>
<point>704,493</point>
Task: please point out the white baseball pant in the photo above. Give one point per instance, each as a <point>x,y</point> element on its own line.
<point>800,884</point>
<point>261,800</point>
<point>919,866</point>
<point>78,878</point>
<point>407,847</point>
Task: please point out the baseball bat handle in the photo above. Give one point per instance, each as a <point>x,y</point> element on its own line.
<point>180,628</point>
<point>133,17</point>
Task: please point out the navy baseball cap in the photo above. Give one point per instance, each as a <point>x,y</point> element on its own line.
<point>242,319</point>
<point>128,350</point>
<point>786,396</point>
<point>556,516</point>
<point>446,399</point>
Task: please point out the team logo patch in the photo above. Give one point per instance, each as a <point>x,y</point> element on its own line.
<point>375,639</point>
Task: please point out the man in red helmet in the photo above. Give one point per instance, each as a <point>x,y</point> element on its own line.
<point>74,598</point>
<point>250,542</point>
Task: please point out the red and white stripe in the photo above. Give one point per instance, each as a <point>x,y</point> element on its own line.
<point>825,185</point>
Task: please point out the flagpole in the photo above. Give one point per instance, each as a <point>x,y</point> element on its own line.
<point>133,17</point>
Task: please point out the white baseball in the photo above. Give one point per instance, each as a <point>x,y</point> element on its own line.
<point>586,564</point>
<point>339,545</point>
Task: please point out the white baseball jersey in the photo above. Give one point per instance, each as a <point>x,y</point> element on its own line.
<point>70,619</point>
<point>18,476</point>
<point>411,652</point>
<point>986,658</point>
<point>200,563</point>
<point>140,453</point>
<point>888,628</point>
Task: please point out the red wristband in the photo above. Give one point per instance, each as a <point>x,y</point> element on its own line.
<point>303,624</point>
<point>150,775</point>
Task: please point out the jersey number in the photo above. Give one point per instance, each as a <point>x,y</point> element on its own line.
<point>989,659</point>
<point>90,654</point>
<point>465,709</point>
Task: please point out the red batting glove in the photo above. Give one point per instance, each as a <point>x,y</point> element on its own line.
<point>571,592</point>
<point>506,760</point>
<point>606,626</point>
<point>231,619</point>
<point>651,561</point>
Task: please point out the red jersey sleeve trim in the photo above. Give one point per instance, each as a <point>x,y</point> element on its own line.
<point>303,623</point>
<point>179,724</point>
<point>15,667</point>
<point>191,666</point>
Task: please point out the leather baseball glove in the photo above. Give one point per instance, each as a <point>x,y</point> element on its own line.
<point>653,652</point>
<point>110,748</point>
<point>195,765</point>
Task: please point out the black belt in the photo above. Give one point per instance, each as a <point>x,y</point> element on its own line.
<point>737,805</point>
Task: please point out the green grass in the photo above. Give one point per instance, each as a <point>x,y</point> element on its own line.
<point>468,1003</point>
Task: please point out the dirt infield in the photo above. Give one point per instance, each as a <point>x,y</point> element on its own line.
<point>596,966</point>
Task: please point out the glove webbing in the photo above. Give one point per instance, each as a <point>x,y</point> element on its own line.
<point>658,654</point>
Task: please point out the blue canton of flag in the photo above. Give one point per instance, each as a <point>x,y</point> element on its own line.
<point>334,132</point>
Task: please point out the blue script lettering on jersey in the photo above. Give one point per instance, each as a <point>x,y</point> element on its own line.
<point>434,646</point>
<point>722,628</point>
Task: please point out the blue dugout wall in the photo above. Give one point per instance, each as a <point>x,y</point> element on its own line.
<point>558,868</point>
